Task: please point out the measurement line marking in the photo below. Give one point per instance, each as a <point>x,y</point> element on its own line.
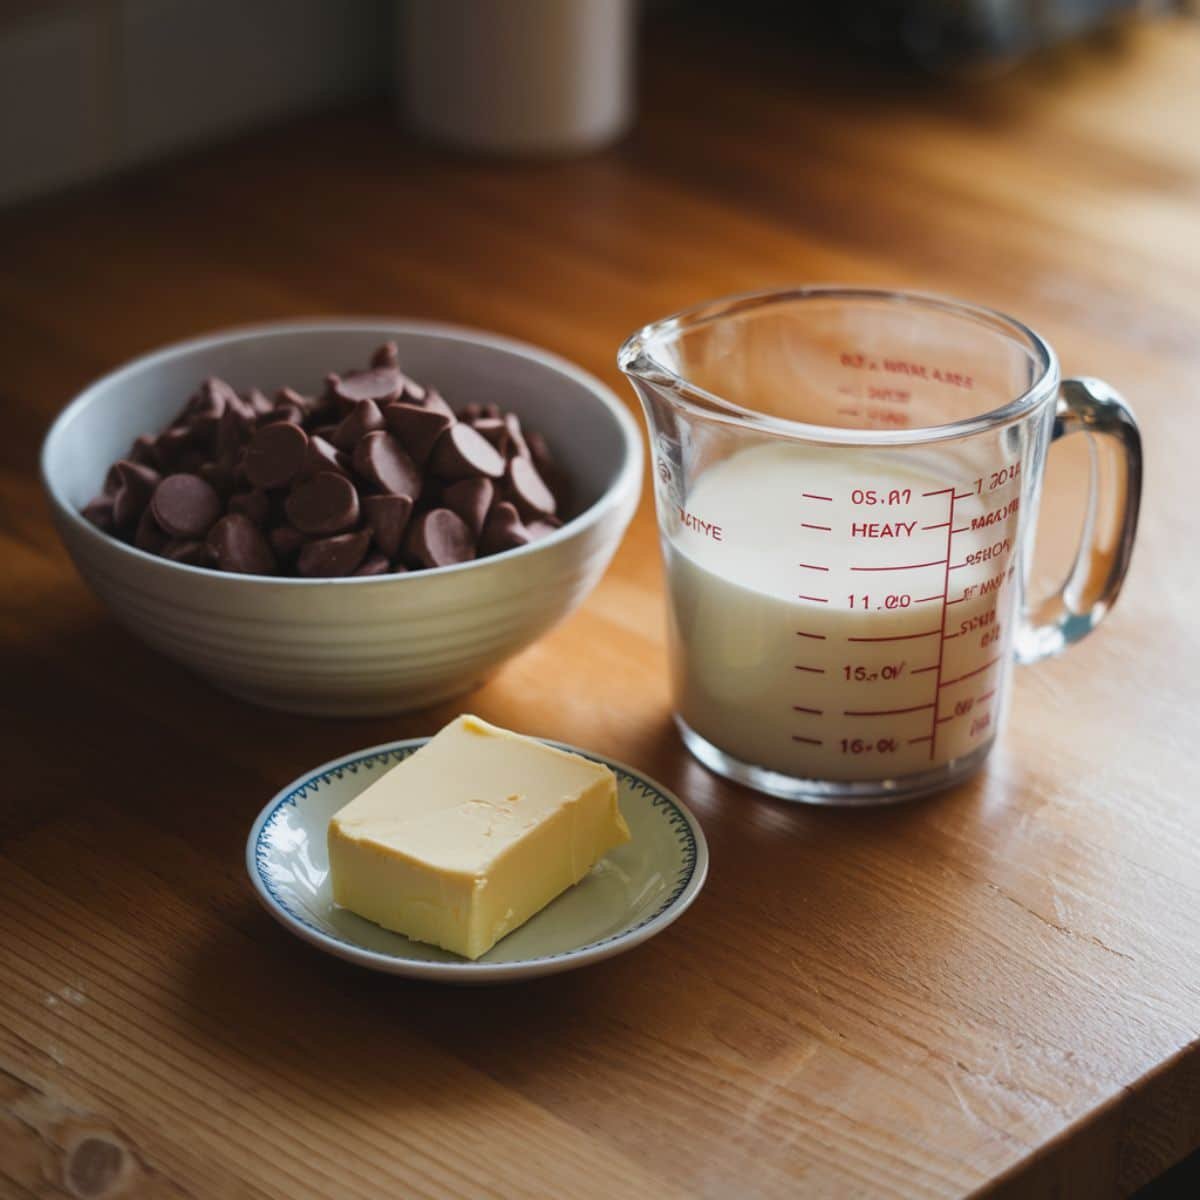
<point>949,636</point>
<point>940,525</point>
<point>937,562</point>
<point>961,529</point>
<point>939,492</point>
<point>917,741</point>
<point>816,712</point>
<point>958,601</point>
<point>822,528</point>
<point>978,671</point>
<point>812,567</point>
<point>814,496</point>
<point>884,712</point>
<point>937,686</point>
<point>817,637</point>
<point>924,599</point>
<point>963,496</point>
<point>808,741</point>
<point>922,670</point>
<point>985,696</point>
<point>900,637</point>
<point>811,670</point>
<point>814,599</point>
<point>848,412</point>
<point>951,717</point>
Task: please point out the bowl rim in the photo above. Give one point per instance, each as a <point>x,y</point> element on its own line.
<point>628,472</point>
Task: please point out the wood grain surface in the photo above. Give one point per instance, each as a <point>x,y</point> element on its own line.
<point>997,989</point>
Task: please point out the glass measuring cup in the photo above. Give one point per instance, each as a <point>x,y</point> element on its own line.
<point>847,485</point>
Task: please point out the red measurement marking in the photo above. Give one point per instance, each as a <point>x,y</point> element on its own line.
<point>949,636</point>
<point>959,566</point>
<point>922,670</point>
<point>939,492</point>
<point>900,637</point>
<point>812,567</point>
<point>985,696</point>
<point>814,599</point>
<point>978,671</point>
<point>883,712</point>
<point>814,496</point>
<point>937,687</point>
<point>822,528</point>
<point>959,600</point>
<point>808,741</point>
<point>848,412</point>
<point>964,496</point>
<point>811,670</point>
<point>951,717</point>
<point>960,529</point>
<point>937,562</point>
<point>917,741</point>
<point>816,712</point>
<point>817,637</point>
<point>940,525</point>
<point>924,599</point>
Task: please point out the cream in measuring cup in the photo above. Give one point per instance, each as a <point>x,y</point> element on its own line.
<point>847,485</point>
<point>827,618</point>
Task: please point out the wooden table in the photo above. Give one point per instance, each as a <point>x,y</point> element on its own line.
<point>996,989</point>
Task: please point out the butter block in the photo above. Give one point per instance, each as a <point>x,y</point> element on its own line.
<point>466,839</point>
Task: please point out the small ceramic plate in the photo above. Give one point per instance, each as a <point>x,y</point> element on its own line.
<point>630,895</point>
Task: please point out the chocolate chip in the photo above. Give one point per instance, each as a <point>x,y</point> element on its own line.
<point>324,456</point>
<point>254,504</point>
<point>373,564</point>
<point>145,450</point>
<point>434,402</point>
<point>326,503</point>
<point>496,432</point>
<point>283,411</point>
<point>185,506</point>
<point>380,458</point>
<point>221,477</point>
<point>387,518</point>
<point>388,355</point>
<point>276,455</point>
<point>173,443</point>
<point>260,402</point>
<point>471,499</point>
<point>131,485</point>
<point>238,545</point>
<point>517,446</point>
<point>554,479</point>
<point>439,538</point>
<point>232,434</point>
<point>100,512</point>
<point>196,554</point>
<point>542,528</point>
<point>286,542</point>
<point>379,384</point>
<point>529,491</point>
<point>332,556</point>
<point>461,452</point>
<point>149,536</point>
<point>417,428</point>
<point>503,530</point>
<point>362,419</point>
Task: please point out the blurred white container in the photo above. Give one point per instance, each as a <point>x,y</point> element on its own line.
<point>517,76</point>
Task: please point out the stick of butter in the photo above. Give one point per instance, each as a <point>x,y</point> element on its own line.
<point>466,839</point>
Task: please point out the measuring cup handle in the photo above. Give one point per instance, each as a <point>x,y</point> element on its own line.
<point>1110,524</point>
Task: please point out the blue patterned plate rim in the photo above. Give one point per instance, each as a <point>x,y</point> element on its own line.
<point>678,899</point>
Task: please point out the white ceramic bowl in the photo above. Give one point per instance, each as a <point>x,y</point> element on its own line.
<point>351,646</point>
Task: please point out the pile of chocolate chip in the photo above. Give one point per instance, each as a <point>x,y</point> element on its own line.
<point>376,475</point>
